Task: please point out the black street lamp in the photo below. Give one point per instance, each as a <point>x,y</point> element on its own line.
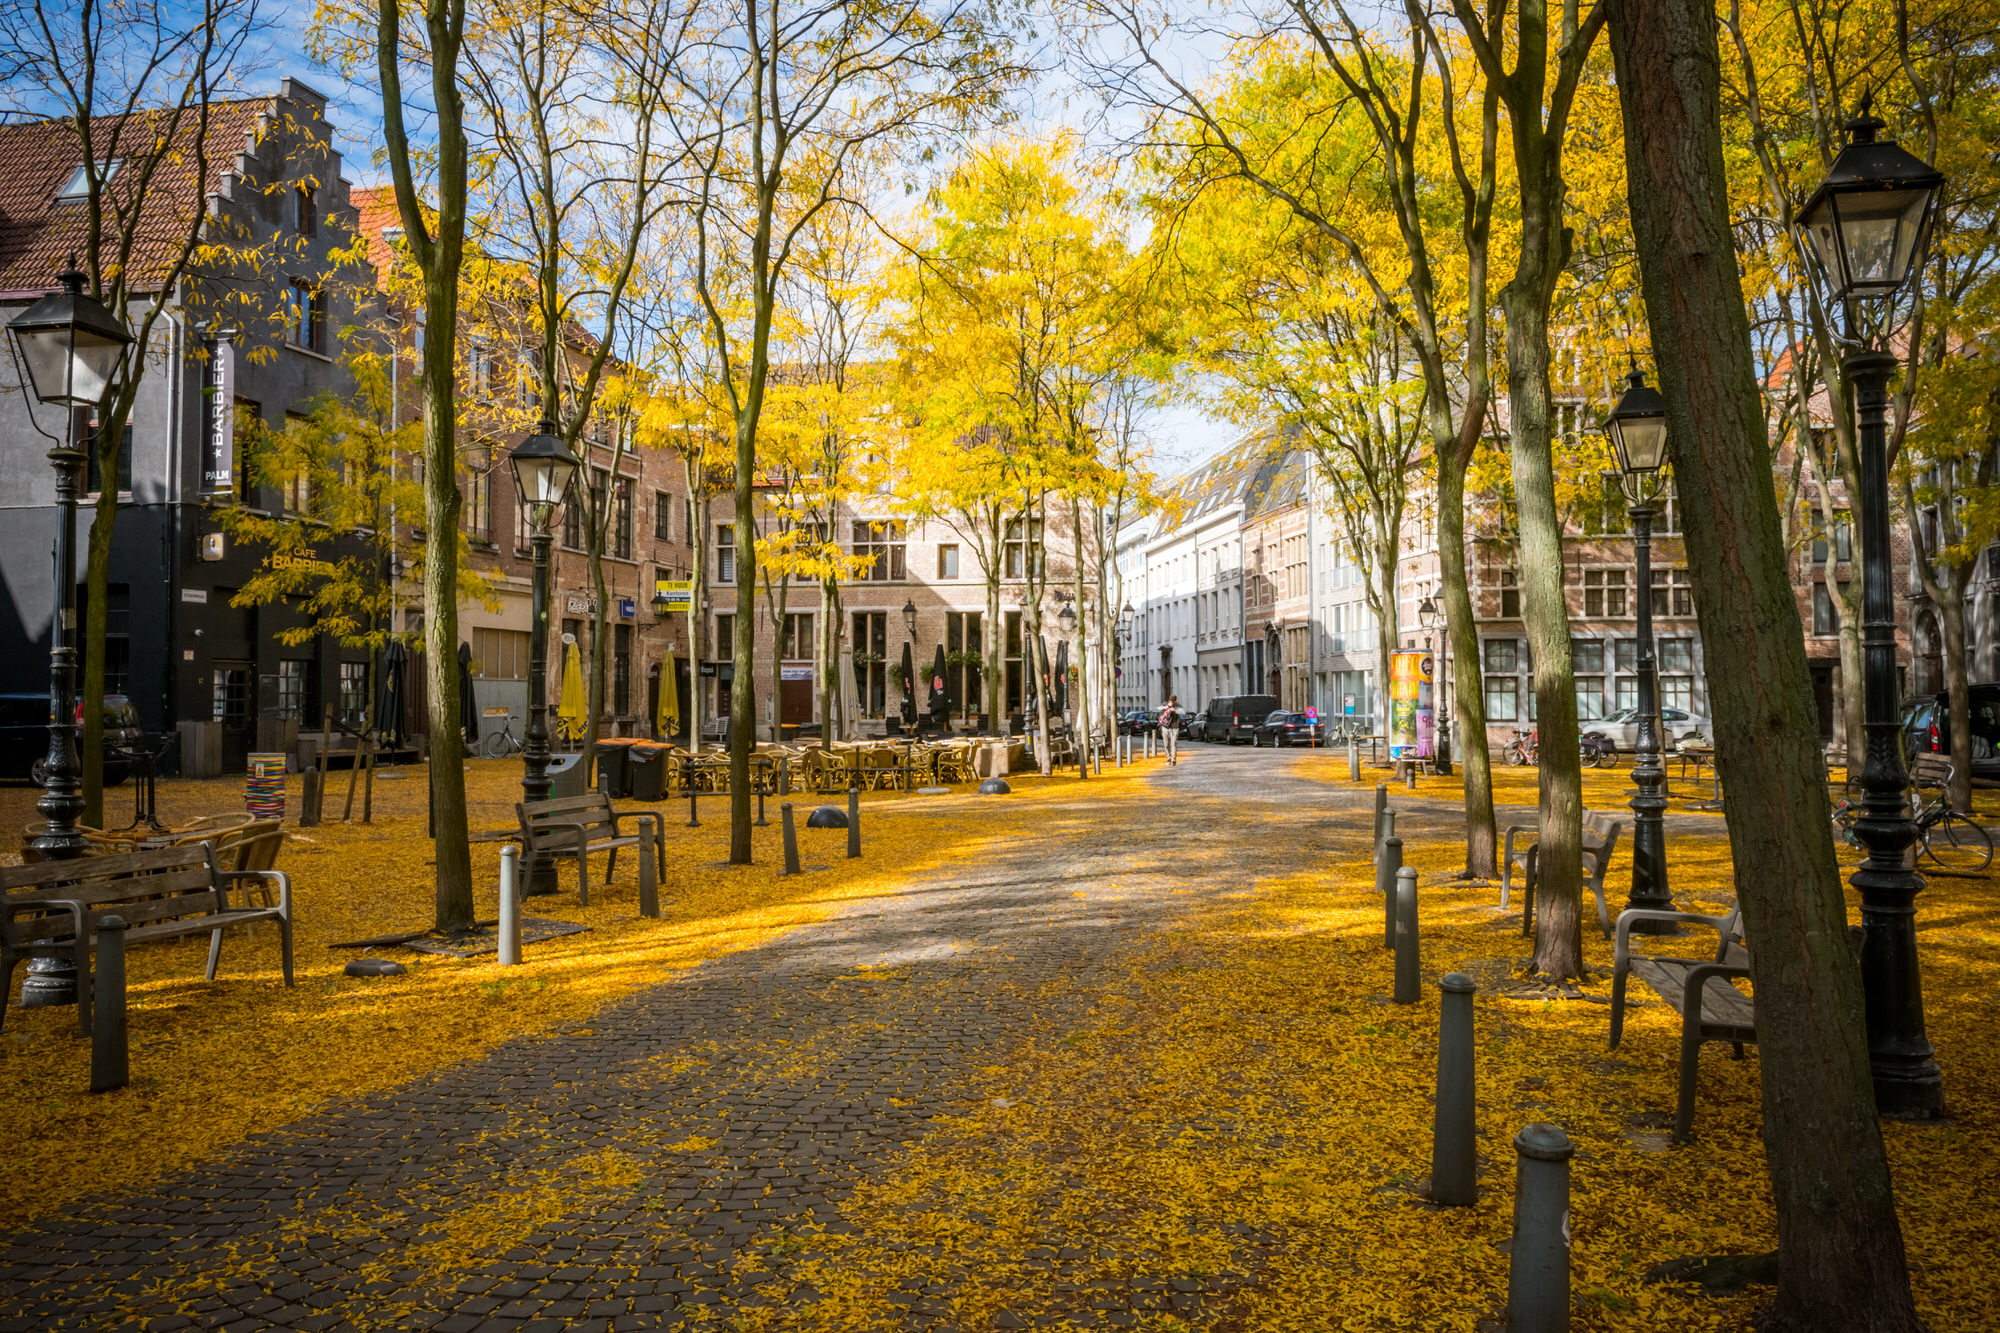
<point>69,348</point>
<point>1866,229</point>
<point>544,470</point>
<point>1638,430</point>
<point>1431,616</point>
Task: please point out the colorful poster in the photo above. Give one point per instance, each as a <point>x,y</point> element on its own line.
<point>1412,717</point>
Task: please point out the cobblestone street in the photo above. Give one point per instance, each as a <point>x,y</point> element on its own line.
<point>698,1119</point>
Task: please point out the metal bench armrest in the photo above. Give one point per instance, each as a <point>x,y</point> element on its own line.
<point>1622,955</point>
<point>1698,978</point>
<point>283,881</point>
<point>71,905</point>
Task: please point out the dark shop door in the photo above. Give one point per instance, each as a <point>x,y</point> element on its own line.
<point>232,709</point>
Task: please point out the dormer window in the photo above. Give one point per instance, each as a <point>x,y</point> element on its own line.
<point>308,211</point>
<point>77,187</point>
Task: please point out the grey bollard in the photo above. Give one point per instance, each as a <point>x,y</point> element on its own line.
<point>1385,829</point>
<point>1453,1148</point>
<point>1096,760</point>
<point>694,818</point>
<point>784,777</point>
<point>1410,775</point>
<point>110,1051</point>
<point>1381,808</point>
<point>760,821</point>
<point>1409,988</point>
<point>649,866</point>
<point>1386,866</point>
<point>510,906</point>
<point>791,839</point>
<point>1538,1271</point>
<point>853,821</point>
<point>1353,762</point>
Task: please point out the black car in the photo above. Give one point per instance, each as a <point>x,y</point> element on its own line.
<point>1230,718</point>
<point>24,736</point>
<point>1140,722</point>
<point>1282,728</point>
<point>1927,727</point>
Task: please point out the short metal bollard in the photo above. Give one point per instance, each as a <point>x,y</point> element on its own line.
<point>649,866</point>
<point>1410,775</point>
<point>791,839</point>
<point>784,777</point>
<point>854,821</point>
<point>110,1049</point>
<point>1353,762</point>
<point>1096,760</point>
<point>1381,808</point>
<point>510,906</point>
<point>1538,1272</point>
<point>694,819</point>
<point>1385,829</point>
<point>1409,989</point>
<point>1454,1160</point>
<point>760,821</point>
<point>1386,866</point>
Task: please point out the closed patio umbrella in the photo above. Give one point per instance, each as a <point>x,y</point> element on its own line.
<point>667,717</point>
<point>468,706</point>
<point>940,704</point>
<point>909,686</point>
<point>572,712</point>
<point>389,699</point>
<point>1059,688</point>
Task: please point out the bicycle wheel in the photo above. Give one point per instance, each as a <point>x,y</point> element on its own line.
<point>1956,843</point>
<point>498,744</point>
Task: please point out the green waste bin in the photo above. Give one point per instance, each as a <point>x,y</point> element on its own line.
<point>646,772</point>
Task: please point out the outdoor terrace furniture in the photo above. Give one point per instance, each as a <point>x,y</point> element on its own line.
<point>580,827</point>
<point>52,909</point>
<point>1701,759</point>
<point>1697,989</point>
<point>1600,841</point>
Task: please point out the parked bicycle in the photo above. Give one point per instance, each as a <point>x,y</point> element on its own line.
<point>499,744</point>
<point>1598,750</point>
<point>1947,837</point>
<point>1524,749</point>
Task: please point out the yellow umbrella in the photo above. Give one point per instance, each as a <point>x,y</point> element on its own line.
<point>570,714</point>
<point>667,718</point>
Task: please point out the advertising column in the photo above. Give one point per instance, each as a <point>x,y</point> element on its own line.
<point>1412,716</point>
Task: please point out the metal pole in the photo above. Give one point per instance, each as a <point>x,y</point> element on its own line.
<point>1353,760</point>
<point>1649,834</point>
<point>535,784</point>
<point>1454,1148</point>
<point>1409,989</point>
<point>1908,1082</point>
<point>510,907</point>
<point>1538,1268</point>
<point>1386,867</point>
<point>110,1050</point>
<point>649,865</point>
<point>791,839</point>
<point>853,821</point>
<point>760,821</point>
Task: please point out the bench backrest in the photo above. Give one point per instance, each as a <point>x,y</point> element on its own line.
<point>552,818</point>
<point>140,887</point>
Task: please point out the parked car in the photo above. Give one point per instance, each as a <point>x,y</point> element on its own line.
<point>1622,727</point>
<point>1927,727</point>
<point>24,736</point>
<point>1231,718</point>
<point>1140,722</point>
<point>1283,728</point>
<point>1194,726</point>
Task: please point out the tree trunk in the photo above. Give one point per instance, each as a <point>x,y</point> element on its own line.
<point>1468,685</point>
<point>1958,698</point>
<point>1081,704</point>
<point>697,605</point>
<point>743,686</point>
<point>441,506</point>
<point>1841,1259</point>
<point>598,654</point>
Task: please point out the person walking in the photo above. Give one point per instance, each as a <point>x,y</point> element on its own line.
<point>1170,727</point>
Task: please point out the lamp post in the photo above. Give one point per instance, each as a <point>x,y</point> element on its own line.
<point>1865,230</point>
<point>69,348</point>
<point>1431,616</point>
<point>543,469</point>
<point>1125,614</point>
<point>1638,430</point>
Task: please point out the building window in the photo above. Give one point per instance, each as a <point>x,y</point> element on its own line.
<point>1676,654</point>
<point>1826,618</point>
<point>962,679</point>
<point>94,475</point>
<point>1673,595</point>
<point>1604,593</point>
<point>292,688</point>
<point>572,530</point>
<point>1019,544</point>
<point>1503,702</point>
<point>477,512</point>
<point>881,542</point>
<point>621,521</point>
<point>1503,656</point>
<point>1843,535</point>
<point>306,210</point>
<point>948,561</point>
<point>795,641</point>
<point>724,647</point>
<point>77,187</point>
<point>353,693</point>
<point>871,647</point>
<point>621,669</point>
<point>481,368</point>
<point>249,425</point>
<point>663,517</point>
<point>1510,596</point>
<point>305,316</point>
<point>500,654</point>
<point>298,487</point>
<point>725,553</point>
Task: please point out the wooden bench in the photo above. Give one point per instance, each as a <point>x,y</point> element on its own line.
<point>579,827</point>
<point>1711,1009</point>
<point>52,909</point>
<point>1600,841</point>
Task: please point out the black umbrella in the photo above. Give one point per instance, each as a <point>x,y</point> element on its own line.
<point>940,704</point>
<point>909,686</point>
<point>1060,701</point>
<point>468,707</point>
<point>389,700</point>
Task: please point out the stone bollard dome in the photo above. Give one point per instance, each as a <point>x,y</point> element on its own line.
<point>994,787</point>
<point>827,816</point>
